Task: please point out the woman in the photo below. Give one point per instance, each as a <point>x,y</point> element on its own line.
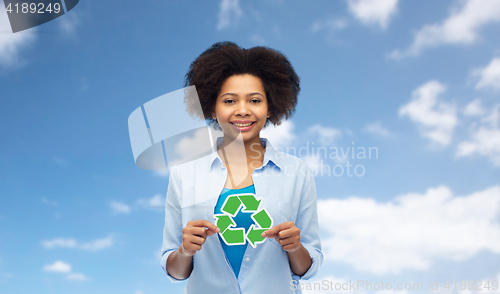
<point>241,91</point>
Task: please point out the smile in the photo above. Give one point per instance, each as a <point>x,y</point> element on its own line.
<point>243,127</point>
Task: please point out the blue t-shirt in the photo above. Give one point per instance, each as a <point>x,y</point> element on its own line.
<point>235,253</point>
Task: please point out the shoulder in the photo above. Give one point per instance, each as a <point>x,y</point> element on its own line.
<point>290,163</point>
<point>289,159</point>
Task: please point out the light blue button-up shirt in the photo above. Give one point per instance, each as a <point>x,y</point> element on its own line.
<point>288,192</point>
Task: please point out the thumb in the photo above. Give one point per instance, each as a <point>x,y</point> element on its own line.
<point>210,232</point>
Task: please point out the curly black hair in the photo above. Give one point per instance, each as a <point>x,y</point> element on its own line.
<point>225,59</point>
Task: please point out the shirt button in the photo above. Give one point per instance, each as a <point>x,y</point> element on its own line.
<point>247,259</point>
<point>256,175</point>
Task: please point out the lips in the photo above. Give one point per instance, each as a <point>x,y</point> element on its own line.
<point>242,123</point>
<point>243,126</point>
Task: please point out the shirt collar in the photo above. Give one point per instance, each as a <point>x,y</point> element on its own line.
<point>269,155</point>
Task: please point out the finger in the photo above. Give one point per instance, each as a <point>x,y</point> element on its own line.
<point>192,246</point>
<point>287,241</point>
<point>210,232</point>
<point>283,240</point>
<point>196,240</point>
<point>204,223</point>
<point>269,234</point>
<point>294,231</point>
<point>195,231</point>
<point>273,232</point>
<point>211,226</point>
<point>284,234</point>
<point>201,232</point>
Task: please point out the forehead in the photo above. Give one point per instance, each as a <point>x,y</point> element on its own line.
<point>242,84</point>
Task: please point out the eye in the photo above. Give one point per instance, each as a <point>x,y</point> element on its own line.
<point>255,100</point>
<point>228,101</point>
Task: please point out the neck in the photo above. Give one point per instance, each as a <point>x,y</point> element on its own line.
<point>233,150</point>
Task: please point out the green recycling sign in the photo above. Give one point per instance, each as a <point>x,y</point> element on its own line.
<point>233,235</point>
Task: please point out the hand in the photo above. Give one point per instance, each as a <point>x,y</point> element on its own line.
<point>194,235</point>
<point>287,234</point>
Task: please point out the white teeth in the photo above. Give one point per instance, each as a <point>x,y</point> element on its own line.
<point>242,125</point>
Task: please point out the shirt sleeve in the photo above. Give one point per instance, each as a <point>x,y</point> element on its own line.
<point>307,222</point>
<point>172,232</point>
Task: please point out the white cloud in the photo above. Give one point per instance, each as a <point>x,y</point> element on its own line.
<point>98,244</point>
<point>280,136</point>
<point>485,138</point>
<point>11,44</point>
<point>369,12</point>
<point>493,118</point>
<point>321,167</point>
<point>69,22</point>
<point>191,147</point>
<point>229,14</point>
<point>377,128</point>
<point>314,163</point>
<point>258,39</point>
<point>119,207</point>
<point>62,267</point>
<point>162,173</point>
<point>412,231</point>
<point>58,266</point>
<point>94,245</point>
<point>474,108</point>
<point>489,76</point>
<point>326,135</point>
<point>435,119</point>
<point>157,201</point>
<point>60,242</point>
<point>84,85</point>
<point>60,161</point>
<point>6,275</point>
<point>49,202</point>
<point>460,27</point>
<point>485,142</point>
<point>77,277</point>
<point>331,25</point>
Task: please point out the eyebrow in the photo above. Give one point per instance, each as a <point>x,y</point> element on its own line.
<point>251,94</point>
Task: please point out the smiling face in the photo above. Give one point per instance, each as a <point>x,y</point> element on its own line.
<point>241,106</point>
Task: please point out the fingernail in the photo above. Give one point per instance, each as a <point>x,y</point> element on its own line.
<point>263,234</point>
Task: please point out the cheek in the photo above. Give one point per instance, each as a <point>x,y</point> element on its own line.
<point>263,113</point>
<point>261,110</point>
<point>221,112</point>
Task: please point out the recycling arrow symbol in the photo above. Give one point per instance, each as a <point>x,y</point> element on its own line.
<point>233,235</point>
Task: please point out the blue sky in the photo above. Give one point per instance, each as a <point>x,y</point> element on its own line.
<point>417,80</point>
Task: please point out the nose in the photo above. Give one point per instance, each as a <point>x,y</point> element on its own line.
<point>242,109</point>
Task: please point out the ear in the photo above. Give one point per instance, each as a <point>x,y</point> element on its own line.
<point>268,113</point>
